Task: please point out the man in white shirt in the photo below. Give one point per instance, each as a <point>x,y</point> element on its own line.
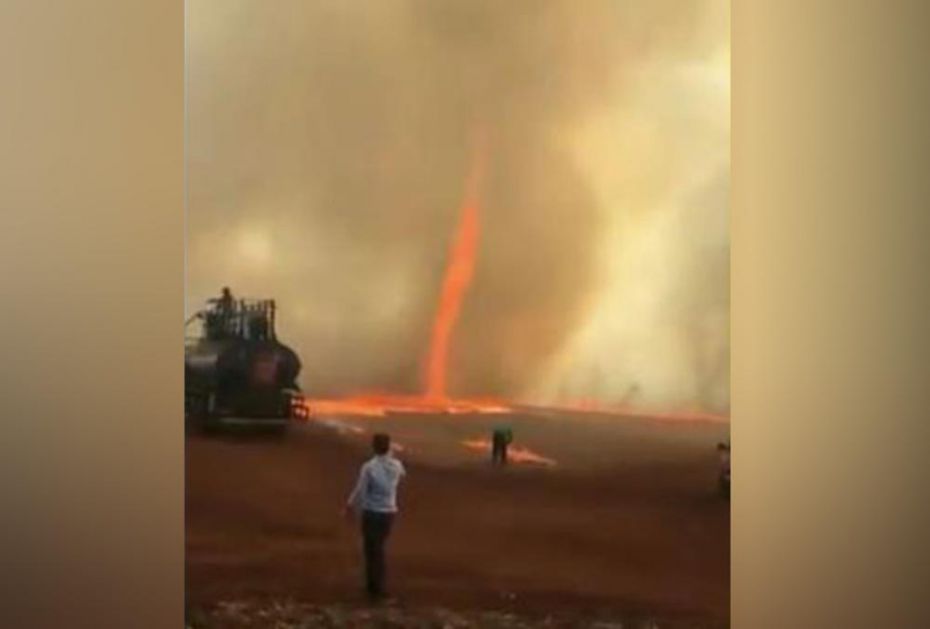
<point>375,498</point>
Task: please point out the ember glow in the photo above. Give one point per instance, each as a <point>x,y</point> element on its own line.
<point>458,276</point>
<point>515,454</point>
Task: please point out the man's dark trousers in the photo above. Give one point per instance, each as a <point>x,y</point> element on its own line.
<point>499,450</point>
<point>376,527</point>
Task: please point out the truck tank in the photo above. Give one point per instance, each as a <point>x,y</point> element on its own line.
<point>237,371</point>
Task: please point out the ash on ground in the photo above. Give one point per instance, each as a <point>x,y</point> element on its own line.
<point>294,615</point>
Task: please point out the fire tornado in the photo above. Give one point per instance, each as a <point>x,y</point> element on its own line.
<point>458,275</point>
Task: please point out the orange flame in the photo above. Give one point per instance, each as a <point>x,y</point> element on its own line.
<point>381,405</point>
<point>458,276</point>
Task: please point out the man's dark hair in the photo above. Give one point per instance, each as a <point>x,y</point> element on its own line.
<point>381,443</point>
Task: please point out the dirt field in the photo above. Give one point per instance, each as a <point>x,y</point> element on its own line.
<point>626,522</point>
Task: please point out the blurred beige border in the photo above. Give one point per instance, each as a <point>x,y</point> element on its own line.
<point>830,259</point>
<point>91,260</point>
<point>831,254</point>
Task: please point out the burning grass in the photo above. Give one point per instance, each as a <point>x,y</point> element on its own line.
<point>381,405</point>
<point>515,454</point>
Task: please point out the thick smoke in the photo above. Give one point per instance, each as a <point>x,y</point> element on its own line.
<point>328,146</point>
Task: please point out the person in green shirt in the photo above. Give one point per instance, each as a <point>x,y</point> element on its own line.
<point>501,439</point>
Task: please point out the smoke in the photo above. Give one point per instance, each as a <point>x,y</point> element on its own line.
<point>327,154</point>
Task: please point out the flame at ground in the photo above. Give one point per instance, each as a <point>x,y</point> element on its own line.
<point>381,405</point>
<point>514,453</point>
<point>457,278</point>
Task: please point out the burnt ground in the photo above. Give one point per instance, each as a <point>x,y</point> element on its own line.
<point>626,526</point>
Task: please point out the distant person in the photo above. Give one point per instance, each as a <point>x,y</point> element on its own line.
<point>723,451</point>
<point>225,302</point>
<point>225,306</point>
<point>501,439</point>
<point>375,498</point>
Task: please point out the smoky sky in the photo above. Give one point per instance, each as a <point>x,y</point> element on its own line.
<point>327,154</point>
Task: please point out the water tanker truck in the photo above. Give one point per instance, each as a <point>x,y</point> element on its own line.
<point>236,371</point>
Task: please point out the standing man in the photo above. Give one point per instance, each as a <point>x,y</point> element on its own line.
<point>226,305</point>
<point>375,498</point>
<point>226,301</point>
<point>220,318</point>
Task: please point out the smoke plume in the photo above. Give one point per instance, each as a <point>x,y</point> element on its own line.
<point>328,149</point>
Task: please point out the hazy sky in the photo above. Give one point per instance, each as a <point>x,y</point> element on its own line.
<point>327,155</point>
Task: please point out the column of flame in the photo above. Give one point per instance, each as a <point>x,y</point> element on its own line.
<point>458,275</point>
